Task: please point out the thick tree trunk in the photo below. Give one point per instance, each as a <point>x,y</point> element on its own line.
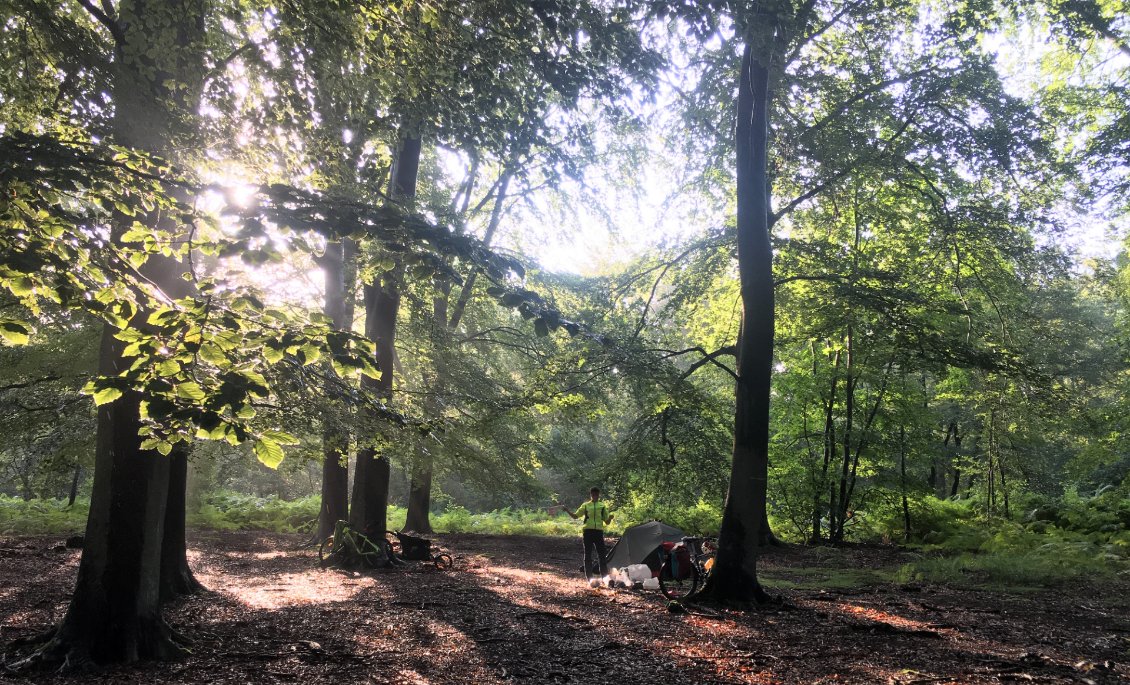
<point>115,613</point>
<point>176,576</point>
<point>734,576</point>
<point>382,304</point>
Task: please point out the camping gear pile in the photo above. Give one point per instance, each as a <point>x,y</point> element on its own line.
<point>636,558</point>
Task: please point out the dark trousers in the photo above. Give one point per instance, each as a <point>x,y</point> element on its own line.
<point>594,543</point>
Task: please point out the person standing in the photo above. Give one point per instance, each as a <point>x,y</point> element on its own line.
<point>596,516</point>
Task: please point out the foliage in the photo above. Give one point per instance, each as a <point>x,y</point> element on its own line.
<point>697,518</point>
<point>42,516</point>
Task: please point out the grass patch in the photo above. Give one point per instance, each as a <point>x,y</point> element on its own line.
<point>784,578</point>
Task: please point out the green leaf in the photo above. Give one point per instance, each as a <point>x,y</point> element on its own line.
<point>21,287</point>
<point>15,332</point>
<point>212,354</point>
<point>190,390</point>
<point>269,453</point>
<point>280,437</point>
<point>311,353</point>
<point>105,396</point>
<point>169,367</point>
<point>272,355</point>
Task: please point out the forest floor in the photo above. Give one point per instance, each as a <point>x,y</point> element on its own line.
<point>515,610</point>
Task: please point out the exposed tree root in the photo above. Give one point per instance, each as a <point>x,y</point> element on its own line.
<point>752,600</point>
<point>181,583</point>
<point>66,652</point>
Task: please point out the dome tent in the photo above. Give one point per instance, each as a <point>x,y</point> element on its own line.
<point>640,544</point>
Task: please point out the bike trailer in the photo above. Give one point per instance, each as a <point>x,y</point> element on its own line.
<point>414,548</point>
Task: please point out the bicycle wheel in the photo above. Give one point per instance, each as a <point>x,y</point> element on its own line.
<point>443,561</point>
<point>326,551</point>
<point>674,587</point>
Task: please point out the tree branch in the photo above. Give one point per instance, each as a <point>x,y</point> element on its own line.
<point>707,358</point>
<point>106,19</point>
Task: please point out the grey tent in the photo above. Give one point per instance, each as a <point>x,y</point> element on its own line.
<point>640,545</point>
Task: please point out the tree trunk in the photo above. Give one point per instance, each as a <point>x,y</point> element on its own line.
<point>75,480</point>
<point>734,576</point>
<point>335,439</point>
<point>902,484</point>
<point>469,285</point>
<point>840,517</point>
<point>382,304</point>
<point>956,454</point>
<point>176,576</point>
<point>420,495</point>
<point>422,472</point>
<point>114,614</point>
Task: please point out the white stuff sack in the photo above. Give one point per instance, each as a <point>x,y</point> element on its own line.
<point>638,573</point>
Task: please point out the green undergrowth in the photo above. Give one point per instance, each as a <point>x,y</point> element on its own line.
<point>42,516</point>
<point>1017,556</point>
<point>1050,543</point>
<point>505,522</point>
<point>702,518</point>
<point>226,510</point>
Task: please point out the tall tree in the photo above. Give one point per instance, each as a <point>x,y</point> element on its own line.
<point>114,614</point>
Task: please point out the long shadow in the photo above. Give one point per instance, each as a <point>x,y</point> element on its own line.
<point>519,621</point>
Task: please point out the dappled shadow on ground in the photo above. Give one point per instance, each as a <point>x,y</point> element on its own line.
<point>515,610</point>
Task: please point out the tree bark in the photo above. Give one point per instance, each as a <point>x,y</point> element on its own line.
<point>420,495</point>
<point>369,512</point>
<point>115,612</point>
<point>902,485</point>
<point>176,577</point>
<point>956,453</point>
<point>423,470</point>
<point>335,439</point>
<point>829,451</point>
<point>734,576</point>
<point>74,485</point>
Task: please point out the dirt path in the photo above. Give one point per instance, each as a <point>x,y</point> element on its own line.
<point>514,610</point>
